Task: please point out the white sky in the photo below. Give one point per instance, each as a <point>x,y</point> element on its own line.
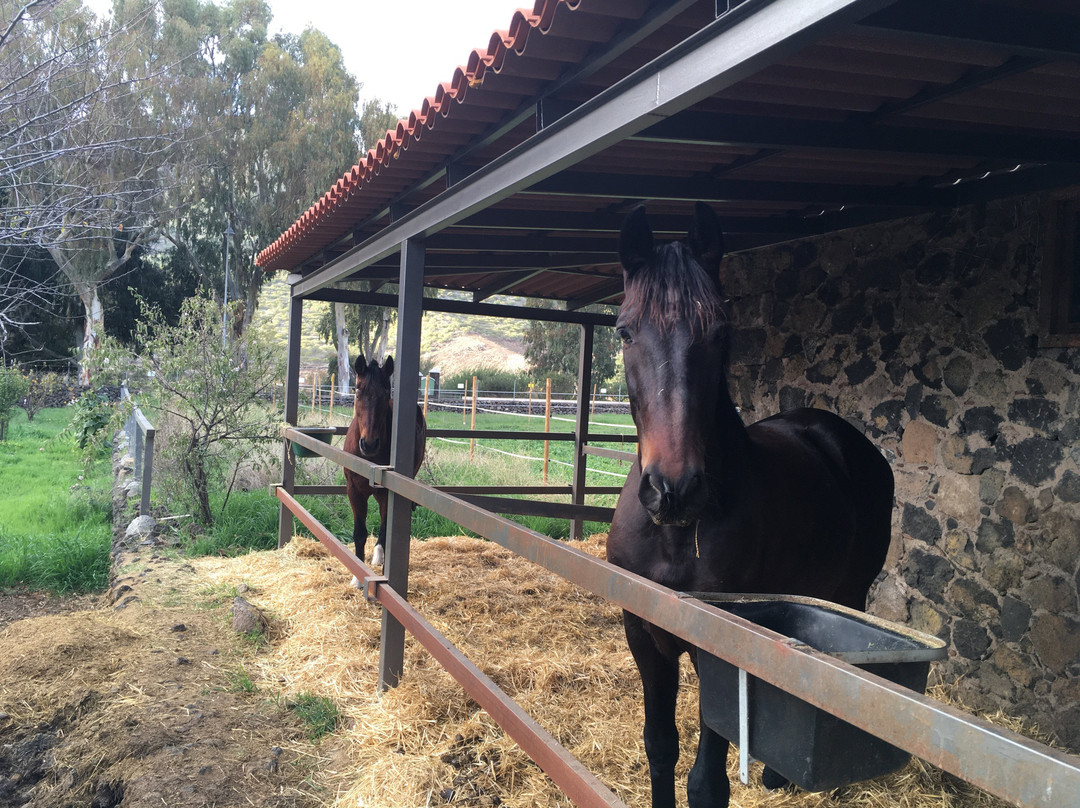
<point>398,50</point>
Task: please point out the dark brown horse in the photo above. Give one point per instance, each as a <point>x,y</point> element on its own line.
<point>369,437</point>
<point>799,503</point>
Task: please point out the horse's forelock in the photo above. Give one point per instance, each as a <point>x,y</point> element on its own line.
<point>672,288</point>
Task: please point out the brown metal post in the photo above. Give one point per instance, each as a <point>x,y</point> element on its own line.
<point>403,444</point>
<point>547,426</point>
<point>292,399</point>
<point>472,442</point>
<point>577,484</point>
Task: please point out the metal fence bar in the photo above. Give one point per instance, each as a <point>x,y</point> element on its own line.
<point>140,434</point>
<point>577,782</point>
<point>146,473</point>
<point>1026,773</point>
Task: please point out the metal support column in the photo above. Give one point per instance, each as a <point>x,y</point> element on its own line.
<point>581,429</point>
<point>399,509</point>
<point>292,396</point>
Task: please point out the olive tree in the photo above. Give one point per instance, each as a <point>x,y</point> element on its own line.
<point>214,396</point>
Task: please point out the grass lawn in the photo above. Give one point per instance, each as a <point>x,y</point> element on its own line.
<point>55,515</point>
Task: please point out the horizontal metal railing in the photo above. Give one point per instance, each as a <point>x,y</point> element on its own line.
<point>1026,773</point>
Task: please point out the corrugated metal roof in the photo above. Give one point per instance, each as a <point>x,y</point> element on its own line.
<point>918,105</point>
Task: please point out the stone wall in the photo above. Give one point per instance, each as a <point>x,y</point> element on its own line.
<point>925,334</point>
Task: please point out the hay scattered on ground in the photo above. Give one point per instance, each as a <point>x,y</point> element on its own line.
<point>558,651</point>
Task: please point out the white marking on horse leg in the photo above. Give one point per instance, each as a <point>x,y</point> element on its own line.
<point>377,555</point>
<point>356,583</point>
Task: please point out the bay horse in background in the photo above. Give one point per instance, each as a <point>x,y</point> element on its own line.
<point>799,503</point>
<point>369,437</point>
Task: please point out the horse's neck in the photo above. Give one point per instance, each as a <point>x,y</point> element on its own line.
<point>729,439</point>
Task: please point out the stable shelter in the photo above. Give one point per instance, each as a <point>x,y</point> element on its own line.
<point>899,184</point>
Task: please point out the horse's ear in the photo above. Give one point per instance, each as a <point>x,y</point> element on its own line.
<point>706,239</point>
<point>636,241</point>
<point>388,367</point>
<point>359,366</point>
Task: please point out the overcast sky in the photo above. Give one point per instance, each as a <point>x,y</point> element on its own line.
<point>399,50</point>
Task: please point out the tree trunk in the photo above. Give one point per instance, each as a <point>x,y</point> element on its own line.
<point>93,329</point>
<point>342,334</point>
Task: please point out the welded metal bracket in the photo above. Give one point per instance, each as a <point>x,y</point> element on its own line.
<point>371,584</point>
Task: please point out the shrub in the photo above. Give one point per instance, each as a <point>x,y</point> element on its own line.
<point>12,389</point>
<point>41,386</point>
<point>212,396</point>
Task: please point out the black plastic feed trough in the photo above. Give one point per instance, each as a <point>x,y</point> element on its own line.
<point>813,749</point>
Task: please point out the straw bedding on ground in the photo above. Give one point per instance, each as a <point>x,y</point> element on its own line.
<point>558,651</point>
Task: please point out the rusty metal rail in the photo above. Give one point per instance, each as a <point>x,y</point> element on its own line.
<point>1021,771</point>
<point>577,782</point>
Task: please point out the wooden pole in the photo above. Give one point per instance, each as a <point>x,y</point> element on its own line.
<point>547,427</point>
<point>472,443</point>
<point>332,397</point>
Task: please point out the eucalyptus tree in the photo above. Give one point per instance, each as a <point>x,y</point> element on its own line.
<point>82,150</point>
<point>277,126</point>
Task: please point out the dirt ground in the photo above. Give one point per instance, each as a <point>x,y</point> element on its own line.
<point>140,703</point>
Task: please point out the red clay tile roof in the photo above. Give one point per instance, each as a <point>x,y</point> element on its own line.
<point>332,215</point>
<point>919,106</point>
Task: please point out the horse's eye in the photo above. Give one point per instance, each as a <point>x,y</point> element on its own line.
<point>624,335</point>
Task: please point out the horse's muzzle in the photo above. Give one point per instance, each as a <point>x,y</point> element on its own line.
<point>369,448</point>
<point>672,502</point>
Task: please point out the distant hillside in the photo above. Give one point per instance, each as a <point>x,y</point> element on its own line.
<point>451,342</point>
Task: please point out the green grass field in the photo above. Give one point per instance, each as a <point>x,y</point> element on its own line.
<point>54,514</point>
<point>493,462</point>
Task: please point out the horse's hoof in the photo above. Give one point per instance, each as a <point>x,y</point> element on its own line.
<point>355,584</point>
<point>774,781</point>
<point>377,556</point>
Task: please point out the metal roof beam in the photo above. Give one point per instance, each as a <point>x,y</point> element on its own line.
<point>715,129</point>
<point>554,243</point>
<point>1040,35</point>
<point>711,189</point>
<point>335,295</point>
<point>712,59</point>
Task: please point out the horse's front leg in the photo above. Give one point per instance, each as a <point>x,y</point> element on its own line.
<point>359,502</point>
<point>660,687</point>
<point>708,783</point>
<point>378,555</point>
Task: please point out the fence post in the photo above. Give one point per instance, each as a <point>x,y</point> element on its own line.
<point>581,437</point>
<point>472,442</point>
<point>547,427</point>
<point>292,405</point>
<point>402,457</point>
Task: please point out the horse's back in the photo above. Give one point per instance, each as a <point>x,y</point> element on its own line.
<point>837,468</point>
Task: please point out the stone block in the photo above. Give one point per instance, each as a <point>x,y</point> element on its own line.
<point>1016,506</point>
<point>1015,665</point>
<point>920,443</point>
<point>1056,640</point>
<point>1051,593</point>
<point>958,496</point>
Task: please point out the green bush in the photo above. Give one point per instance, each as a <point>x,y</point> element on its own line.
<point>92,413</point>
<point>12,389</point>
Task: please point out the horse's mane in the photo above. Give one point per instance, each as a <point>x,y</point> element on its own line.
<point>674,287</point>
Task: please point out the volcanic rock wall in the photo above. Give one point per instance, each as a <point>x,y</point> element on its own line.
<point>925,333</point>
